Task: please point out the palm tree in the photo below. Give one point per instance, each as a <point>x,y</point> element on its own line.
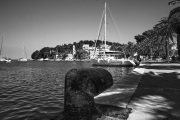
<point>144,42</point>
<point>174,2</point>
<point>130,48</point>
<point>175,14</point>
<point>151,43</point>
<point>139,38</point>
<point>166,28</point>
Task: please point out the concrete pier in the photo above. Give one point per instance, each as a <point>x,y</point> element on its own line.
<point>149,92</point>
<point>157,96</point>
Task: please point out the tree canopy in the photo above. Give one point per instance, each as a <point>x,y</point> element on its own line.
<point>63,50</point>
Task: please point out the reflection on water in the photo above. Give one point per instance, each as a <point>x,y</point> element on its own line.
<point>33,90</point>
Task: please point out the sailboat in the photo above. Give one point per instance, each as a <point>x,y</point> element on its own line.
<point>23,59</point>
<point>107,57</point>
<point>3,59</point>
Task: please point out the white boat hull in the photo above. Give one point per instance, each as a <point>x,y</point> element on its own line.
<point>46,59</point>
<point>5,60</point>
<point>57,60</point>
<point>8,61</point>
<point>41,59</point>
<point>113,62</point>
<point>23,59</point>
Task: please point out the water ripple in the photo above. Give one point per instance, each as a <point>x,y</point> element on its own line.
<point>35,90</point>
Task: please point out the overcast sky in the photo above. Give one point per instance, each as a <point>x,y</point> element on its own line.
<point>47,23</point>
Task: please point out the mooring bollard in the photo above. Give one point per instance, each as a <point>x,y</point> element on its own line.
<point>81,85</point>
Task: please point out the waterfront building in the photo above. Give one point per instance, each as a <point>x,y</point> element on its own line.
<point>69,57</point>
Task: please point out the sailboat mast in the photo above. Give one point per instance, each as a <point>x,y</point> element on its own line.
<point>2,44</point>
<point>25,50</point>
<point>105,26</point>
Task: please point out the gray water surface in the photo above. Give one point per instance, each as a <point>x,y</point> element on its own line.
<point>33,90</point>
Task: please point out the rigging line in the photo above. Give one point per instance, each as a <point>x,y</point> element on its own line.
<point>100,28</point>
<point>111,30</point>
<point>101,24</point>
<point>113,22</point>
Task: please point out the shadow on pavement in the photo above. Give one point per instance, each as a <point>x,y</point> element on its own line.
<point>158,94</point>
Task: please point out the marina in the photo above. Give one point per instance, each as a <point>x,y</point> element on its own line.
<point>129,71</point>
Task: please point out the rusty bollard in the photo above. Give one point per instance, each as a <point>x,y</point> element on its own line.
<point>81,85</point>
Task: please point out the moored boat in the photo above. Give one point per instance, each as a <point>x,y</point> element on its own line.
<point>107,57</point>
<point>113,62</point>
<point>3,59</point>
<point>22,59</point>
<point>46,59</point>
<point>25,54</point>
<point>41,59</point>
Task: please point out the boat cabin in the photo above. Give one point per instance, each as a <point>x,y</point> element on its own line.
<point>111,54</point>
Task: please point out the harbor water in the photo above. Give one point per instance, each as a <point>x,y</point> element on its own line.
<point>34,90</point>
